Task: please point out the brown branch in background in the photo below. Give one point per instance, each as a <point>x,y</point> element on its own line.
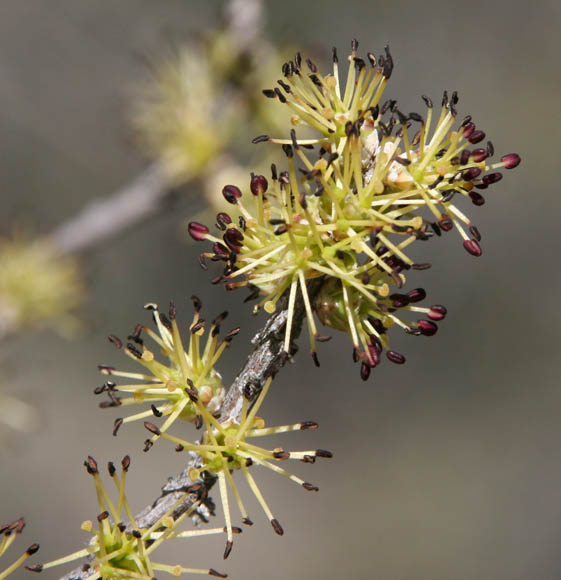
<point>104,218</point>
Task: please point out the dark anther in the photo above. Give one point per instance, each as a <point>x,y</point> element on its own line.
<point>472,247</point>
<point>476,137</point>
<point>372,59</point>
<point>288,151</point>
<point>197,231</point>
<point>424,266</point>
<point>492,178</point>
<point>511,160</point>
<point>445,223</point>
<point>133,350</point>
<point>270,93</point>
<point>395,357</point>
<point>334,54</point>
<point>359,64</point>
<point>475,233</point>
<point>364,371</point>
<point>258,184</point>
<point>293,138</point>
<point>428,101</point>
<point>165,321</point>
<point>115,340</point>
<point>116,426</point>
<point>476,198</point>
<point>277,527</point>
<point>260,139</point>
<point>388,63</point>
<point>417,294</point>
<point>91,465</point>
<point>315,358</point>
<point>310,487</point>
<point>437,312</point>
<point>280,96</point>
<point>447,195</point>
<point>427,327</point>
<point>152,428</point>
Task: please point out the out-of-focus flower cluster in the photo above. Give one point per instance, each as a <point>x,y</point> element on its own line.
<point>199,103</point>
<point>373,181</point>
<point>38,287</point>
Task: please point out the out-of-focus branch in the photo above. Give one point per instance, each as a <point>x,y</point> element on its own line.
<point>245,20</point>
<point>103,218</point>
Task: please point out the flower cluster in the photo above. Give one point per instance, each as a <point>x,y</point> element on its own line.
<point>225,447</point>
<point>165,387</point>
<point>38,287</point>
<point>366,187</point>
<point>191,389</point>
<point>118,550</point>
<point>8,534</point>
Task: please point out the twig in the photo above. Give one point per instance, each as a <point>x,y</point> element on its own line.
<point>104,218</point>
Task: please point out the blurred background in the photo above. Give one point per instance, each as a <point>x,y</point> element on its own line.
<point>448,467</point>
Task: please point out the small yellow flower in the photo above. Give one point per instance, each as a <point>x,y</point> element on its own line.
<point>225,447</point>
<point>8,534</point>
<point>166,387</point>
<point>121,551</point>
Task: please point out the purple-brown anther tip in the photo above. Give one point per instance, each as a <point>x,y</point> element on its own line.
<point>492,178</point>
<point>32,549</point>
<point>91,465</point>
<point>34,568</point>
<point>437,312</point>
<point>228,549</point>
<point>395,357</point>
<point>152,428</point>
<point>258,184</point>
<point>364,371</point>
<point>511,160</point>
<point>231,193</point>
<point>277,527</point>
<point>417,294</point>
<point>197,231</point>
<point>213,572</point>
<point>310,486</point>
<point>473,248</point>
<point>427,327</point>
<point>476,137</point>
